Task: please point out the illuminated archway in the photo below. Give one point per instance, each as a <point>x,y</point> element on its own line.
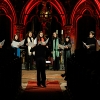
<point>7,7</point>
<point>77,13</point>
<point>31,4</point>
<point>98,4</point>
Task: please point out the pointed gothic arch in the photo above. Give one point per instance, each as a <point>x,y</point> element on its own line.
<point>77,13</point>
<point>33,3</point>
<point>9,10</point>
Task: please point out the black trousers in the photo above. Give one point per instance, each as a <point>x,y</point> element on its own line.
<point>29,62</point>
<point>40,65</point>
<point>56,65</point>
<point>65,65</point>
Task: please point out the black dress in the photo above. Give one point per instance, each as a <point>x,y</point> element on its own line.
<point>67,54</point>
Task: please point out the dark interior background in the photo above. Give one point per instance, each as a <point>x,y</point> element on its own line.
<point>85,25</point>
<point>5,30</point>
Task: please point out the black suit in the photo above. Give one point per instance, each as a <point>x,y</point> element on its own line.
<point>40,55</point>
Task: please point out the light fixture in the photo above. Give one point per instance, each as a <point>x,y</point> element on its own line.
<point>45,14</point>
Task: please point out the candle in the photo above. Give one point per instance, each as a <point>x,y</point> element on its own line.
<point>62,32</point>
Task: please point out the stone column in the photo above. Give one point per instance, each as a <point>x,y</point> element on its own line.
<point>97,37</point>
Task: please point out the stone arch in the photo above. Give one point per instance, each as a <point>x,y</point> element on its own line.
<point>77,13</point>
<point>31,4</point>
<point>9,10</point>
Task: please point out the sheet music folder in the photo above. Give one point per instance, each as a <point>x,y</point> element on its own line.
<point>98,41</point>
<point>88,45</point>
<point>44,43</point>
<point>2,42</point>
<point>16,44</point>
<point>31,44</point>
<point>61,46</point>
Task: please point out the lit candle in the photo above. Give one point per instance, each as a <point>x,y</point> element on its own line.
<point>62,32</point>
<point>46,14</point>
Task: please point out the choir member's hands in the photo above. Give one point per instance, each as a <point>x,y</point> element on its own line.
<point>66,47</point>
<point>26,44</point>
<point>46,46</point>
<point>11,44</point>
<point>19,45</point>
<point>0,46</point>
<point>39,43</point>
<point>87,46</point>
<point>43,43</point>
<point>33,46</point>
<point>60,52</point>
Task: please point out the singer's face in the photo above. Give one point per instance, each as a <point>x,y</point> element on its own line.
<point>30,34</point>
<point>41,34</point>
<point>67,39</point>
<point>91,35</point>
<point>54,35</point>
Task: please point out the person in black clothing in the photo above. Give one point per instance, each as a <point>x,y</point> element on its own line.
<point>42,38</point>
<point>91,43</point>
<point>16,50</point>
<point>55,51</point>
<point>29,55</point>
<point>67,54</point>
<point>40,55</point>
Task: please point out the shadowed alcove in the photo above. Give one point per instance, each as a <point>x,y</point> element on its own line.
<point>85,24</point>
<point>5,29</point>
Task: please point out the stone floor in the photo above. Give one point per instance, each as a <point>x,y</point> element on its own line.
<point>50,76</point>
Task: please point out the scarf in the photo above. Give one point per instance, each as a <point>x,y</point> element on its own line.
<point>41,39</point>
<point>28,40</point>
<point>55,48</point>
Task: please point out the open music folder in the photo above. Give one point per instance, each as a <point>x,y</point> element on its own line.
<point>21,42</point>
<point>17,44</point>
<point>44,43</point>
<point>98,41</point>
<point>47,41</point>
<point>32,44</point>
<point>87,45</point>
<point>61,46</point>
<point>2,42</point>
<point>84,43</point>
